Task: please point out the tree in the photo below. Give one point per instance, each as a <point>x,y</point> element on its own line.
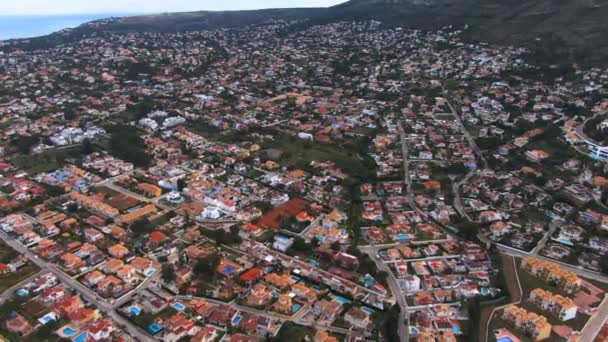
<point>24,143</point>
<point>335,246</point>
<point>181,184</point>
<point>390,325</point>
<point>141,227</point>
<point>168,273</point>
<point>87,147</point>
<point>72,207</point>
<point>469,230</point>
<point>604,265</point>
<point>299,245</point>
<point>127,144</point>
<point>206,266</point>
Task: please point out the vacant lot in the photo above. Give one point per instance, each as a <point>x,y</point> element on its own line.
<point>122,202</point>
<point>47,161</point>
<point>274,218</point>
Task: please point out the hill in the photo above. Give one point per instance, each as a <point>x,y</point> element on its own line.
<point>571,28</point>
<point>557,29</point>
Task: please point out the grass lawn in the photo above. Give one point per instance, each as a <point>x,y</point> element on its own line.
<point>509,272</point>
<point>47,161</point>
<point>294,333</point>
<point>10,279</point>
<point>529,283</point>
<point>6,253</point>
<point>299,154</point>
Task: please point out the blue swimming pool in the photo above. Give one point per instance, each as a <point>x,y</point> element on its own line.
<point>313,263</point>
<point>367,310</point>
<point>178,306</point>
<point>403,236</point>
<point>504,339</point>
<point>150,272</point>
<point>275,294</point>
<point>22,292</point>
<point>67,331</point>
<point>295,308</point>
<point>413,331</point>
<point>47,318</point>
<point>137,207</point>
<point>82,337</point>
<point>268,269</point>
<point>456,329</point>
<point>342,300</point>
<point>236,320</point>
<point>154,328</point>
<point>296,279</point>
<point>135,310</point>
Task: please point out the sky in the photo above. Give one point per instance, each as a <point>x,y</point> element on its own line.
<point>63,7</point>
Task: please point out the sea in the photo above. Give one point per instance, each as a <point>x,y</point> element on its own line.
<point>28,26</point>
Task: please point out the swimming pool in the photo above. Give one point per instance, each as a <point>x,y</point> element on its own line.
<point>504,339</point>
<point>150,272</point>
<point>22,292</point>
<point>137,207</point>
<point>485,291</point>
<point>456,329</point>
<point>367,310</point>
<point>268,269</point>
<point>135,310</point>
<point>47,319</point>
<point>342,300</point>
<point>296,279</point>
<point>313,263</point>
<point>236,320</point>
<point>178,306</point>
<point>413,331</point>
<point>154,328</point>
<point>82,337</point>
<point>403,236</point>
<point>295,308</point>
<point>67,331</point>
<point>275,294</point>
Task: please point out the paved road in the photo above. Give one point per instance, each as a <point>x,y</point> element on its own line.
<point>467,134</point>
<point>85,292</point>
<point>404,329</point>
<point>458,205</point>
<point>393,284</point>
<point>552,227</point>
<point>595,323</point>
<point>263,313</point>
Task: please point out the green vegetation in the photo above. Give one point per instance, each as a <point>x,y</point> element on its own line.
<point>205,267</point>
<point>24,143</point>
<point>299,153</point>
<point>220,236</point>
<point>293,333</point>
<point>9,279</point>
<point>390,325</point>
<point>126,144</point>
<point>141,227</point>
<point>49,160</point>
<point>593,131</point>
<point>168,273</point>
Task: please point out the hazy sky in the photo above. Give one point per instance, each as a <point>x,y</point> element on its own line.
<point>34,7</point>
